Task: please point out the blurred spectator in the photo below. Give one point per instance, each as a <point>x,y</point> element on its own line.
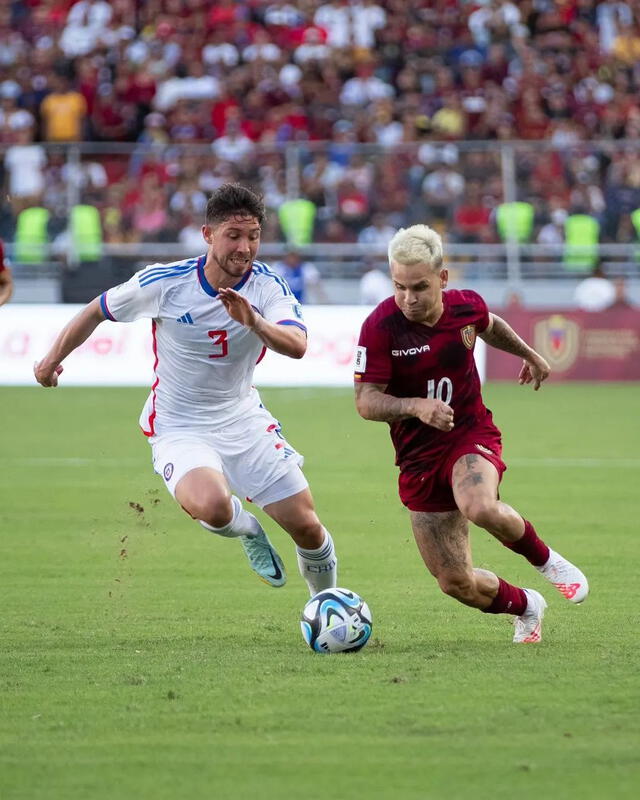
<point>186,84</point>
<point>63,111</point>
<point>219,51</point>
<point>450,121</point>
<point>343,144</point>
<point>335,19</point>
<point>262,49</point>
<point>233,146</point>
<point>154,133</point>
<point>365,87</point>
<point>626,45</point>
<point>190,235</point>
<point>281,14</point>
<point>611,19</point>
<point>367,17</point>
<point>12,118</point>
<point>312,49</point>
<point>6,278</point>
<point>552,233</point>
<point>25,163</point>
<point>149,213</point>
<point>472,218</point>
<point>86,23</point>
<point>319,180</point>
<point>409,78</point>
<point>596,292</point>
<point>111,119</point>
<point>374,286</point>
<point>303,278</point>
<point>492,20</point>
<point>353,207</point>
<point>379,232</point>
<point>441,189</point>
<point>621,299</point>
<point>88,176</point>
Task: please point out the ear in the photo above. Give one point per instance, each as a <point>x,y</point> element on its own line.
<point>444,278</point>
<point>207,233</point>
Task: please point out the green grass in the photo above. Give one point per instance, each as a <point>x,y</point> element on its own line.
<point>141,658</point>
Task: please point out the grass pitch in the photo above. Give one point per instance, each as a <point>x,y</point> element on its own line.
<point>142,659</point>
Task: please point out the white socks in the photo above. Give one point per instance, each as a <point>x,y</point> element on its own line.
<point>242,522</point>
<point>319,567</point>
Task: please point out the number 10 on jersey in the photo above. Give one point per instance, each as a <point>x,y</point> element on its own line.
<point>443,391</point>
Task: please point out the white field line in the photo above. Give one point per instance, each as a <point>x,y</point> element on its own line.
<point>575,462</point>
<point>53,461</point>
<point>586,463</point>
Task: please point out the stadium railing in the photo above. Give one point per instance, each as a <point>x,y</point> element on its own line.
<point>597,177</point>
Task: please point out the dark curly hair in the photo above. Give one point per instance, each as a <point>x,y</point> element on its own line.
<point>231,199</point>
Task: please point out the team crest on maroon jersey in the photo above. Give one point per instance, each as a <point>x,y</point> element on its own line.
<point>468,334</point>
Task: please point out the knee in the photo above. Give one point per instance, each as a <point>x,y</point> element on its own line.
<point>308,532</point>
<point>481,512</point>
<point>216,512</point>
<point>460,586</point>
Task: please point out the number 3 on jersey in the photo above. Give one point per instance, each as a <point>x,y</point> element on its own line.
<point>443,391</point>
<point>220,342</point>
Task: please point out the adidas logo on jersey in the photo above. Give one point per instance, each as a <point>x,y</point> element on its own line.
<point>186,318</point>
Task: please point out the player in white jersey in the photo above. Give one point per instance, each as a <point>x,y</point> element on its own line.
<point>213,317</point>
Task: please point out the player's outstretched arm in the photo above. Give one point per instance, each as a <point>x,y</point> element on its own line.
<point>285,339</point>
<point>6,285</point>
<point>500,334</point>
<point>71,336</point>
<point>372,403</point>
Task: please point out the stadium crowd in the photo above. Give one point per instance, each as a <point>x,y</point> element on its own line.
<point>208,92</point>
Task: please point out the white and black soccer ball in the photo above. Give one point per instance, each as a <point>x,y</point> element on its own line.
<point>336,621</point>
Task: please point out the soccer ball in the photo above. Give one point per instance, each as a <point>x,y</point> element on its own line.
<point>336,621</point>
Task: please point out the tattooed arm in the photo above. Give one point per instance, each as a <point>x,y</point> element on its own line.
<point>372,403</point>
<point>500,335</point>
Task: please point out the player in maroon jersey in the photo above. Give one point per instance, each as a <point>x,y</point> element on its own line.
<point>6,280</point>
<point>415,370</point>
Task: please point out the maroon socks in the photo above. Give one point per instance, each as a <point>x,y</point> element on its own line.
<point>509,600</point>
<point>530,546</point>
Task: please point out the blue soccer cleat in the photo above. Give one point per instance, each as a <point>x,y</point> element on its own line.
<point>263,559</point>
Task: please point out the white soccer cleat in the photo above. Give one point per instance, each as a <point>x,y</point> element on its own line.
<point>263,559</point>
<point>567,578</point>
<point>529,625</point>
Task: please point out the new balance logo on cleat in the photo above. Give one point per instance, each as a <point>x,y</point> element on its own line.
<point>568,590</point>
<point>528,627</point>
<point>186,318</point>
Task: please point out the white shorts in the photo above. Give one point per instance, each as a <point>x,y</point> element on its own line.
<point>251,453</point>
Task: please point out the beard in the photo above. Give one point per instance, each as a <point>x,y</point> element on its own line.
<point>234,266</point>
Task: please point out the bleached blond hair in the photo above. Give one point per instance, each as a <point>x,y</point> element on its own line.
<point>418,244</point>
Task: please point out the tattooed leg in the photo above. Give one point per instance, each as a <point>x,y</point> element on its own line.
<point>475,488</point>
<point>443,542</point>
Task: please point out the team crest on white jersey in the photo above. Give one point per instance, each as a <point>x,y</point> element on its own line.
<point>468,334</point>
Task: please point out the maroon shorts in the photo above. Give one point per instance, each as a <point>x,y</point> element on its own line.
<point>428,486</point>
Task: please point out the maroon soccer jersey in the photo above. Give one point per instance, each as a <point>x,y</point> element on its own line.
<point>416,360</point>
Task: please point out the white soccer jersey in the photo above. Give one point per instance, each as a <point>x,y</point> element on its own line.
<point>204,360</point>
